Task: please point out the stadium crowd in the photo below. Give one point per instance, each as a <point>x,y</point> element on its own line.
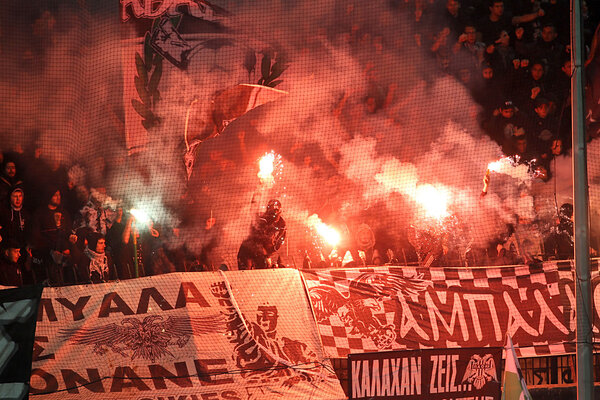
<point>513,57</point>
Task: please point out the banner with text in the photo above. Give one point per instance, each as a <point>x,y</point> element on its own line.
<point>445,374</point>
<point>188,336</point>
<point>394,308</point>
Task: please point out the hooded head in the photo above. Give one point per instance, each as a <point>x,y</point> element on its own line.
<point>96,242</point>
<point>16,198</point>
<point>53,196</point>
<point>273,209</point>
<point>566,212</point>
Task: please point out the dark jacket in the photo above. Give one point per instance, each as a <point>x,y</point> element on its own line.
<point>10,273</point>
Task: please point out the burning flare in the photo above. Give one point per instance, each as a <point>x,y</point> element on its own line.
<point>501,165</point>
<point>267,166</point>
<point>433,201</point>
<point>326,232</point>
<point>511,167</point>
<point>140,215</point>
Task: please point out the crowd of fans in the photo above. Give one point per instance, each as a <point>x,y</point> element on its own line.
<point>55,231</point>
<point>513,57</point>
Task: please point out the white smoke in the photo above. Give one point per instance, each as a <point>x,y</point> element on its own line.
<point>367,120</point>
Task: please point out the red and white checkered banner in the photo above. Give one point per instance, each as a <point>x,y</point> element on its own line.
<point>396,308</point>
<point>233,335</point>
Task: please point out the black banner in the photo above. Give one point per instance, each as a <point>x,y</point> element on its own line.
<point>450,374</point>
<point>18,315</point>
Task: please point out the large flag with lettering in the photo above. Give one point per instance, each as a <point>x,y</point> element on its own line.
<point>234,335</point>
<point>18,312</point>
<point>362,310</point>
<point>514,383</point>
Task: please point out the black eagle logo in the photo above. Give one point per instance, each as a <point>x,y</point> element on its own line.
<point>146,339</point>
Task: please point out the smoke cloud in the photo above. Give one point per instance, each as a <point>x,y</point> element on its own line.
<point>368,119</point>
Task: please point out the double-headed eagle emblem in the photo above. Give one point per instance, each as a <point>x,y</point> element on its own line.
<point>146,339</point>
<point>480,370</point>
<point>356,309</point>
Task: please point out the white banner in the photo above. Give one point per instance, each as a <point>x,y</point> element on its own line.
<point>183,336</point>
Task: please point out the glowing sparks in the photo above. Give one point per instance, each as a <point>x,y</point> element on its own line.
<point>327,233</point>
<point>140,215</point>
<point>433,201</point>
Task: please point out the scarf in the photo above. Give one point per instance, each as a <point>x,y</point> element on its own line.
<point>98,262</point>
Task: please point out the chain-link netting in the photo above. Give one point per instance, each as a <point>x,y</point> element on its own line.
<point>145,137</point>
<point>389,132</point>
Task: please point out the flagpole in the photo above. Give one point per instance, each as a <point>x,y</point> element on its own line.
<point>585,371</point>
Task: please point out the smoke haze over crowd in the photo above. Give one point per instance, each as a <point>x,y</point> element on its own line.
<point>367,120</point>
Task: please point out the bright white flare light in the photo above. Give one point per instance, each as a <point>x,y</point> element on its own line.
<point>508,166</point>
<point>501,165</point>
<point>266,166</point>
<point>140,215</point>
<point>330,235</point>
<point>327,233</point>
<point>434,201</point>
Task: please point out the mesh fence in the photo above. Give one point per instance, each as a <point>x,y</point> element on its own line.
<point>396,132</point>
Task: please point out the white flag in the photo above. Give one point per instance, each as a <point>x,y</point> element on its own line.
<point>514,383</point>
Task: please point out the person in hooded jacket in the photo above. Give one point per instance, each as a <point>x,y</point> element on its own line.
<point>15,221</point>
<point>267,234</point>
